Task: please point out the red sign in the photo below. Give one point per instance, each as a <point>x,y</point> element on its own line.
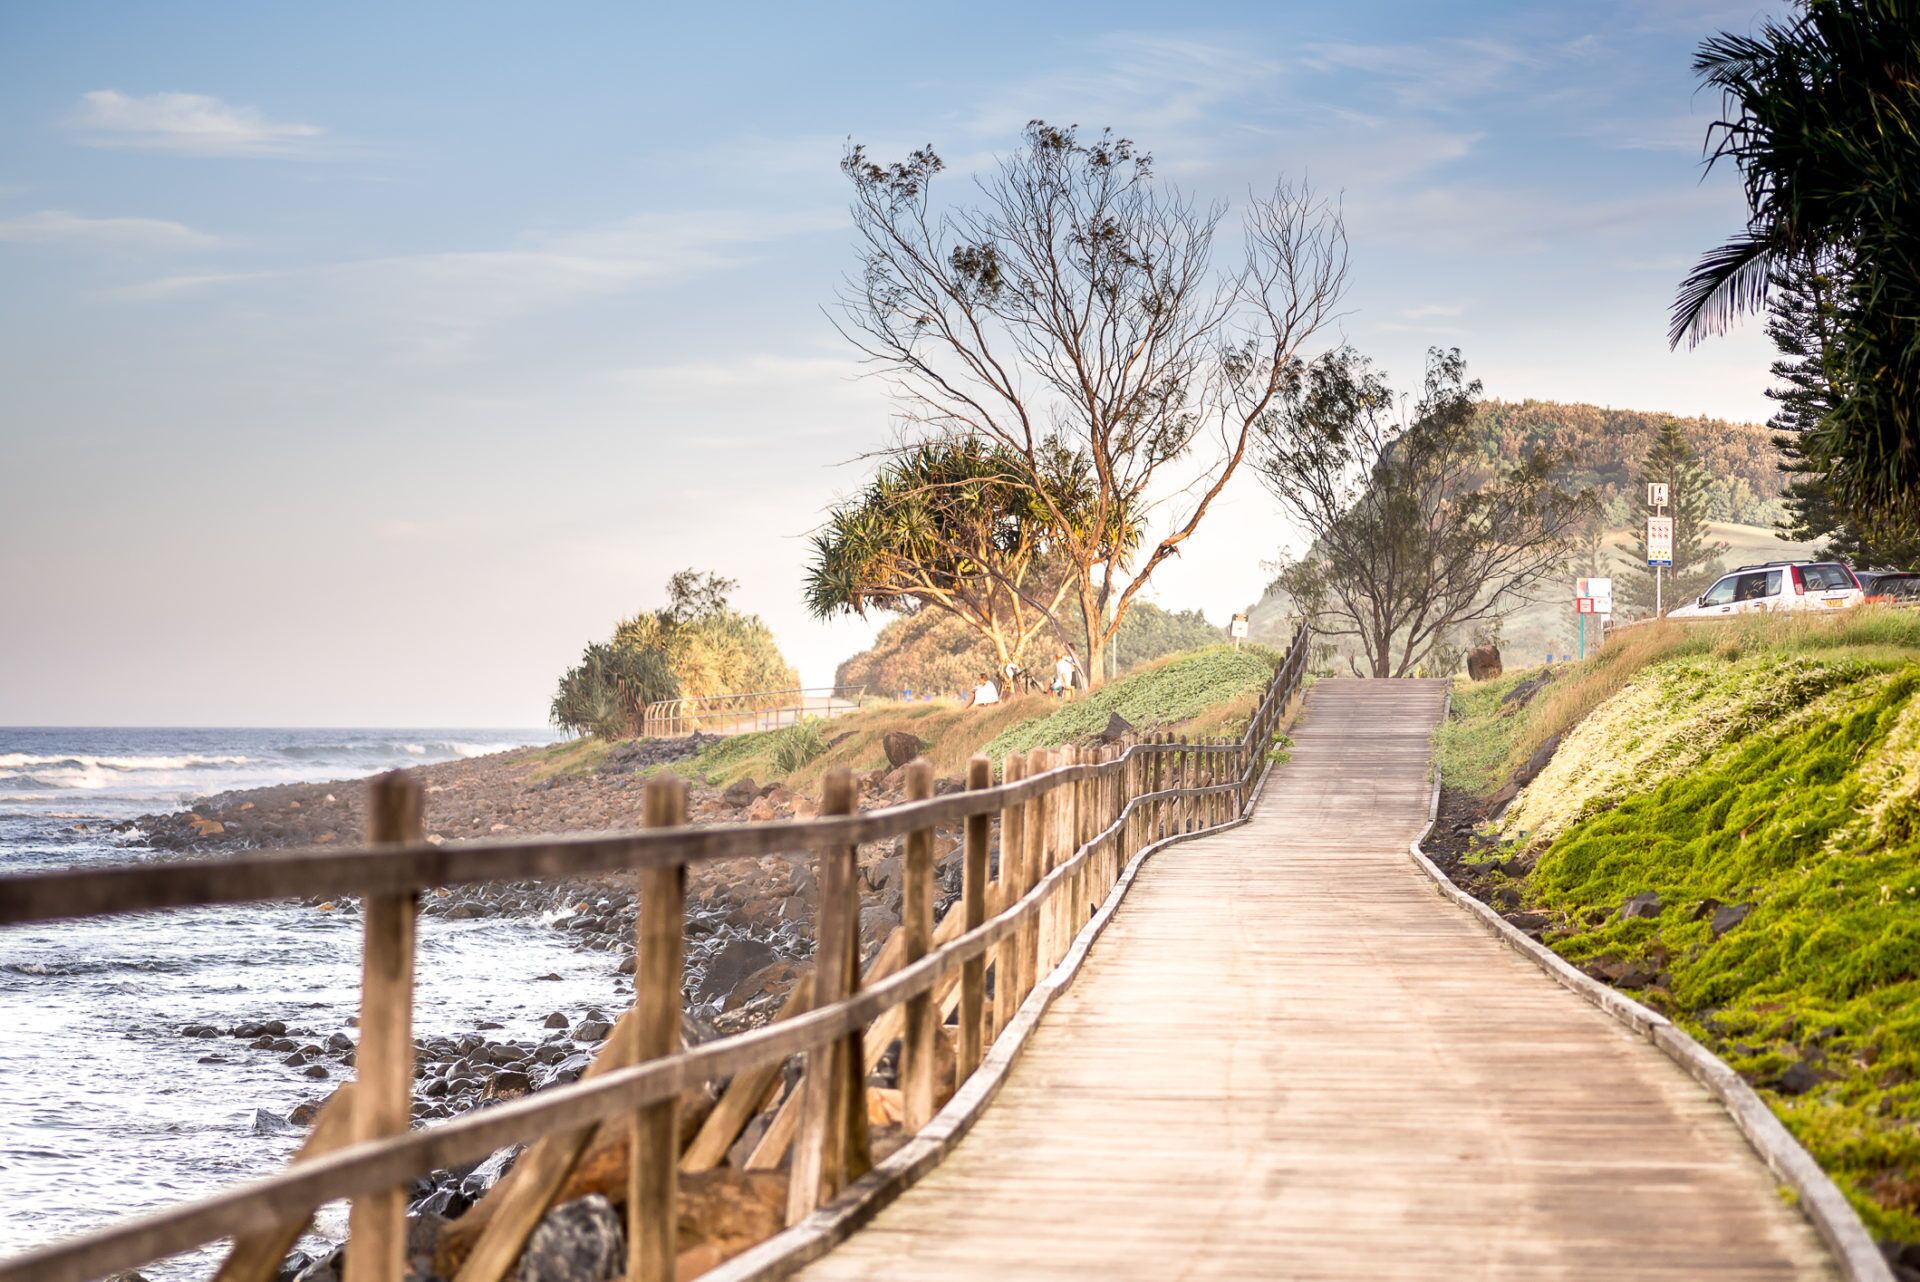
<point>1584,605</point>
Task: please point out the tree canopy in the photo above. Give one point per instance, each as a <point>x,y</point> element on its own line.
<point>697,644</point>
<point>1076,305</point>
<point>1413,537</point>
<point>1821,115</point>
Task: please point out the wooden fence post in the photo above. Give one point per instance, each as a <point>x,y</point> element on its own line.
<point>659,974</point>
<point>383,1098</point>
<point>917,1057</point>
<point>973,895</point>
<point>1013,870</point>
<point>831,1113</point>
<point>1034,851</point>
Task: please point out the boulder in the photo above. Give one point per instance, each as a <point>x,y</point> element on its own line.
<point>1646,904</point>
<point>740,792</point>
<point>1727,916</point>
<point>1483,662</point>
<point>578,1241</point>
<point>900,747</point>
<point>739,958</point>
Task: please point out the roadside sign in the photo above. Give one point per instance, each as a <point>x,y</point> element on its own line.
<point>1601,590</point>
<point>1584,605</point>
<point>1656,495</point>
<point>1659,540</point>
<point>1238,628</point>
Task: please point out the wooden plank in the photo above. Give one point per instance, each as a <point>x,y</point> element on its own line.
<point>383,1061</point>
<point>659,975</point>
<point>258,1257</point>
<point>917,1057</point>
<point>745,1095</point>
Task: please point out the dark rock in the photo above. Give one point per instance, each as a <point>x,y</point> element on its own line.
<point>736,960</point>
<point>303,1114</point>
<point>1117,728</point>
<point>578,1241</point>
<point>199,1030</point>
<point>1726,917</point>
<point>567,1070</point>
<point>339,1042</point>
<point>740,792</point>
<point>556,1020</point>
<point>1799,1078</point>
<point>505,1054</point>
<point>1523,691</point>
<point>264,1123</point>
<point>488,1026</point>
<point>900,747</point>
<point>1506,897</point>
<point>546,979</point>
<point>1646,905</point>
<point>488,1173</point>
<point>314,1070</point>
<point>507,1083</point>
<point>592,1030</point>
<point>1483,663</point>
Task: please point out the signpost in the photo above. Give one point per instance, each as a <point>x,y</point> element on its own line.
<point>1238,629</point>
<point>1659,537</point>
<point>1595,597</point>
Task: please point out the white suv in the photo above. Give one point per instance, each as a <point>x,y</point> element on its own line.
<point>1778,585</point>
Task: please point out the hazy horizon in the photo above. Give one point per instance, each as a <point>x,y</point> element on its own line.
<point>357,367</point>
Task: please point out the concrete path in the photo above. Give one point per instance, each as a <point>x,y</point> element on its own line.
<point>1289,1058</point>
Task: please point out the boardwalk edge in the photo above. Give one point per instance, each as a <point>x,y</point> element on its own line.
<point>1833,1217</point>
<point>791,1250</point>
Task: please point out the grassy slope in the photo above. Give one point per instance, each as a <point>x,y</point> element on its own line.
<point>1775,764</point>
<point>1203,693</point>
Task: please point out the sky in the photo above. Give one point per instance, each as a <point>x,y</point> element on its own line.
<point>360,363</point>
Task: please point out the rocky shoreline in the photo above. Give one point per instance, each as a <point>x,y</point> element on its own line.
<point>749,926</point>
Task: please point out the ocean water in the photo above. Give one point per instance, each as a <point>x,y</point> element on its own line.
<point>105,1110</point>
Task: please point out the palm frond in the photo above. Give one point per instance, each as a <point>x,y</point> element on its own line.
<point>1725,282</point>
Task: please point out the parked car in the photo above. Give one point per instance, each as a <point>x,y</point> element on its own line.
<point>1890,587</point>
<point>1777,585</point>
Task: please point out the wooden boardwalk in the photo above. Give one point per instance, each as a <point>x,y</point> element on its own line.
<point>1287,1057</point>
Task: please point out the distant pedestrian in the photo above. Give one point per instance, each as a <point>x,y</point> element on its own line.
<point>984,692</point>
<point>1063,670</point>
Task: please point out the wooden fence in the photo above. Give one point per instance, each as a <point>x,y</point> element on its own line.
<point>1069,822</point>
<point>749,711</point>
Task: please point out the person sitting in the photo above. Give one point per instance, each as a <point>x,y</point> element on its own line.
<point>1063,676</point>
<point>984,692</point>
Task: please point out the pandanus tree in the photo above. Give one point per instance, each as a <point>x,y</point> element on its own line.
<point>1822,119</point>
<point>607,692</point>
<point>958,525</point>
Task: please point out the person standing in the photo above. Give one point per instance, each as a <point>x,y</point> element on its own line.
<point>1063,669</point>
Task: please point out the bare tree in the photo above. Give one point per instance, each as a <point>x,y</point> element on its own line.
<point>1413,537</point>
<point>1077,301</point>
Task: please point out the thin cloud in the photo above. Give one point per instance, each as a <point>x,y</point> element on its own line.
<point>187,124</point>
<point>1430,311</point>
<point>59,227</point>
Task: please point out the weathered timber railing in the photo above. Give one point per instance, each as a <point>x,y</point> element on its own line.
<point>1069,819</point>
<point>745,712</point>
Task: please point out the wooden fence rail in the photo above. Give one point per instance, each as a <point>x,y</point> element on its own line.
<point>747,711</point>
<point>1069,821</point>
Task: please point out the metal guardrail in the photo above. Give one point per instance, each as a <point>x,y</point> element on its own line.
<point>728,714</point>
<point>1069,821</point>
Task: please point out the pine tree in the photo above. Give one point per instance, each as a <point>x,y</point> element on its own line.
<point>1696,556</point>
<point>1804,329</point>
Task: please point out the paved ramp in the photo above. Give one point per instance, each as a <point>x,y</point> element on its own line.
<point>1288,1058</point>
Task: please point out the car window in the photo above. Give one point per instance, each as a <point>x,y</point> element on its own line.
<point>1825,578</point>
<point>1720,593</point>
<point>1901,585</point>
<point>1753,587</point>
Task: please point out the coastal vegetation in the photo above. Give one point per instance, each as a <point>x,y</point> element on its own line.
<point>1820,113</point>
<point>1077,310</point>
<point>1208,693</point>
<point>1727,825</point>
<point>697,644</point>
<point>929,652</point>
<point>1414,540</point>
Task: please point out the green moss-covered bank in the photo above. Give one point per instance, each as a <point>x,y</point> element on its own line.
<point>1734,833</point>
